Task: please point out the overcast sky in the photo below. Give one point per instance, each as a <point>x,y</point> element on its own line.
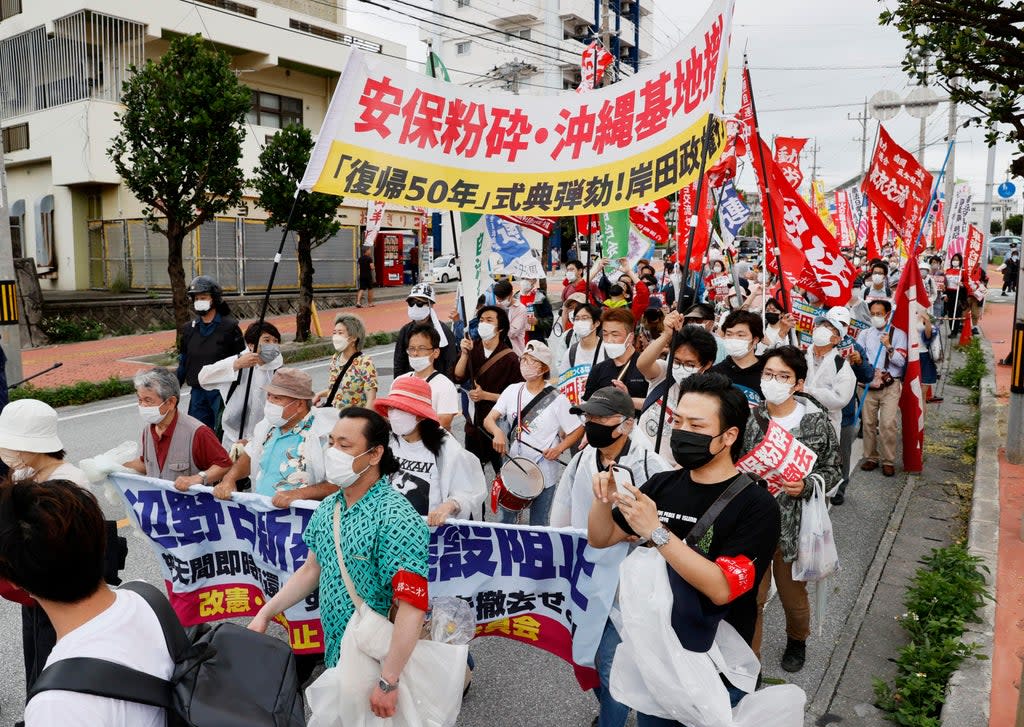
<point>812,64</point>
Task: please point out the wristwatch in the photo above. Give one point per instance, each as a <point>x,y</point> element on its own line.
<point>202,476</point>
<point>386,686</point>
<point>659,536</point>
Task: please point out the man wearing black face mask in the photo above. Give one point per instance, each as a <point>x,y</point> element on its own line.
<point>608,416</point>
<point>716,577</point>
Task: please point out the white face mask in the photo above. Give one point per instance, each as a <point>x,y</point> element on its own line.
<point>530,370</point>
<point>877,278</point>
<point>583,327</point>
<point>338,467</point>
<point>737,347</point>
<point>775,392</point>
<point>419,363</point>
<point>614,350</point>
<point>681,372</point>
<point>340,342</point>
<point>201,306</point>
<point>526,286</point>
<point>274,414</point>
<point>505,303</point>
<point>822,336</point>
<point>151,414</point>
<point>419,312</point>
<point>402,422</point>
<point>878,322</point>
<point>570,275</point>
<point>486,331</point>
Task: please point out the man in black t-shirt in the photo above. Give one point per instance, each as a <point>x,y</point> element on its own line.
<point>718,576</point>
<point>743,330</point>
<point>365,277</point>
<point>619,369</point>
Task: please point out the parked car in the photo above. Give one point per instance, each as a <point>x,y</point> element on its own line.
<point>750,248</point>
<point>1000,246</point>
<point>445,268</point>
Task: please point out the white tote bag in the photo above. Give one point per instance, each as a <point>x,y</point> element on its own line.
<point>816,554</point>
<point>430,686</point>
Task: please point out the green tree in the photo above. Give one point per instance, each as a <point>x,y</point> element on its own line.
<point>1013,224</point>
<point>975,46</point>
<point>180,143</point>
<point>995,227</point>
<point>282,163</point>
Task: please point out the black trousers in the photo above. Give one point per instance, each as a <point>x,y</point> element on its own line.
<point>38,637</point>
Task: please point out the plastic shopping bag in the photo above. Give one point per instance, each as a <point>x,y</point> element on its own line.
<point>816,555</point>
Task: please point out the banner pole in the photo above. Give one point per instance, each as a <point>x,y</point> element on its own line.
<point>693,222</point>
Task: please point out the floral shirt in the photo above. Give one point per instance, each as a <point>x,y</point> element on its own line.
<point>360,379</point>
<point>284,458</point>
<point>384,543</point>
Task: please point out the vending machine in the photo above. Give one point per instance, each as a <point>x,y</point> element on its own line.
<point>389,259</point>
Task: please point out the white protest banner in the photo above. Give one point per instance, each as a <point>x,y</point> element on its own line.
<point>392,134</point>
<point>804,315</point>
<point>374,220</point>
<point>957,213</point>
<point>779,457</point>
<point>224,559</point>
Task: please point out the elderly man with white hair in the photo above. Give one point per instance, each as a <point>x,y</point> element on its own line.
<point>175,446</point>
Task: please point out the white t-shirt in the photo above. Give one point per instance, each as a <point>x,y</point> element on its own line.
<point>65,471</point>
<point>127,633</point>
<point>545,426</point>
<point>426,487</point>
<point>444,397</point>
<point>792,420</point>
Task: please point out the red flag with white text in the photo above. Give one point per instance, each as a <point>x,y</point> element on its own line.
<point>649,219</point>
<point>725,169</point>
<point>688,206</point>
<point>543,225</point>
<point>911,298</point>
<point>745,117</point>
<point>593,62</point>
<point>587,224</point>
<point>787,156</point>
<point>899,186</point>
<point>938,236</point>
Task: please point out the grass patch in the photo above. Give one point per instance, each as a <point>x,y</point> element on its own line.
<point>974,369</point>
<point>83,392</point>
<point>945,595</point>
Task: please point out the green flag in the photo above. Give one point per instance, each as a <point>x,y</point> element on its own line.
<point>435,67</point>
<point>615,234</point>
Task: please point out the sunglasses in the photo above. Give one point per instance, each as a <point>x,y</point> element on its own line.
<point>418,303</point>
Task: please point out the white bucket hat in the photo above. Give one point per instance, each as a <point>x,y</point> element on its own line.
<point>29,425</point>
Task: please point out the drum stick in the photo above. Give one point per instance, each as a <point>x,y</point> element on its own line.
<point>535,449</point>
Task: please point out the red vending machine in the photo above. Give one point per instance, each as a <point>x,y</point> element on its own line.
<point>389,259</point>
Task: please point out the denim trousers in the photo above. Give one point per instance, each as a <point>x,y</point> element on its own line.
<point>540,509</point>
<point>205,406</point>
<point>613,713</point>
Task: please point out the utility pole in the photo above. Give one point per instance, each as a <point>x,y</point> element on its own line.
<point>950,136</point>
<point>862,119</point>
<point>10,334</point>
<point>606,33</point>
<point>814,161</point>
<point>986,217</point>
<point>1015,413</point>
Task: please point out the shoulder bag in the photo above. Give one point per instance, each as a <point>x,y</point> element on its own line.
<point>430,686</point>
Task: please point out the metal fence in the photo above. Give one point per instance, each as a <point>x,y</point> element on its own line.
<point>238,252</point>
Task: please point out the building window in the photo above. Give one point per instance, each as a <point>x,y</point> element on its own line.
<point>517,34</point>
<point>17,220</point>
<point>462,3</point>
<point>462,49</point>
<point>9,8</point>
<point>46,239</point>
<point>232,6</point>
<point>270,109</point>
<point>15,138</point>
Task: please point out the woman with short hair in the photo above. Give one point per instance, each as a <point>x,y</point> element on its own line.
<point>352,377</point>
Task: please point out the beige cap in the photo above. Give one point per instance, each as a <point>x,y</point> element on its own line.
<point>291,382</point>
<point>539,351</point>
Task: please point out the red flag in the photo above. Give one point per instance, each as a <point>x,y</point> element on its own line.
<point>811,256</point>
<point>938,226</point>
<point>649,219</point>
<point>787,155</point>
<point>543,225</point>
<point>910,298</point>
<point>972,251</point>
<point>899,186</point>
<point>965,328</point>
<point>876,232</point>
<point>725,169</point>
<point>688,206</point>
<point>745,117</point>
<point>587,224</point>
<point>593,62</point>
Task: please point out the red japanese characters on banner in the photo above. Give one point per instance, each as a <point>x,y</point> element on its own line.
<point>778,458</point>
<point>973,250</point>
<point>687,207</point>
<point>649,219</point>
<point>899,186</point>
<point>787,155</point>
<point>593,62</point>
<point>543,225</point>
<point>911,297</point>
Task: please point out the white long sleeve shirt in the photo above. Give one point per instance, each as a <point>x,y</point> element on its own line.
<point>831,381</point>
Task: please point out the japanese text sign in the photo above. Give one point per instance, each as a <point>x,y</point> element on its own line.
<point>973,249</point>
<point>899,186</point>
<point>957,213</point>
<point>394,135</point>
<point>779,457</point>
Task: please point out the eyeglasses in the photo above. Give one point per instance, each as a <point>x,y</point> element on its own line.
<point>418,350</point>
<point>781,378</point>
<point>418,303</point>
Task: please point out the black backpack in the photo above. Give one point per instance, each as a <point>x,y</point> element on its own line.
<point>224,675</point>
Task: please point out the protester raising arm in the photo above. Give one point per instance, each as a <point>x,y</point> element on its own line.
<point>647,362</point>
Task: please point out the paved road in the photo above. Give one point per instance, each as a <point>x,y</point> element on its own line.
<point>514,685</point>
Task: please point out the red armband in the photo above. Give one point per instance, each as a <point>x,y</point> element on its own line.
<point>411,588</point>
<point>11,592</point>
<point>739,572</point>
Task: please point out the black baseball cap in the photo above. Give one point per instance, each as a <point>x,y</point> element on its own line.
<point>605,402</point>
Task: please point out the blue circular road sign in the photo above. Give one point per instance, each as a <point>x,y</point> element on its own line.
<point>1007,190</point>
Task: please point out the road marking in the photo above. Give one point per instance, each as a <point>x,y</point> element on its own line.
<point>123,523</point>
<point>184,396</point>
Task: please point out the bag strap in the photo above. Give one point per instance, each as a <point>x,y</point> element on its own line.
<point>103,678</point>
<point>235,383</point>
<point>572,353</point>
<point>341,375</point>
<point>711,514</point>
<point>493,360</point>
<point>349,585</point>
<point>433,375</point>
<point>174,632</point>
<point>543,394</point>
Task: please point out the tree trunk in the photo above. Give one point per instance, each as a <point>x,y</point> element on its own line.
<point>176,274</point>
<point>304,315</point>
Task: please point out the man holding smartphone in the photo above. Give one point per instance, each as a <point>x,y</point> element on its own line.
<point>608,424</point>
<point>716,577</point>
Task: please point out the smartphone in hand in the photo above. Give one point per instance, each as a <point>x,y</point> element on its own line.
<point>622,476</point>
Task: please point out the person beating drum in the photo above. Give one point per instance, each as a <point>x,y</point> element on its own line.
<point>541,426</point>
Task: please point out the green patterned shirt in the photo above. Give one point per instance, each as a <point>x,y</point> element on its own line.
<point>380,535</point>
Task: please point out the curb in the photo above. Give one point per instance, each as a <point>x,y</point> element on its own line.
<point>969,692</point>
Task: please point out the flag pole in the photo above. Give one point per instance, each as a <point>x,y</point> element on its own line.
<point>766,202</point>
<point>693,222</point>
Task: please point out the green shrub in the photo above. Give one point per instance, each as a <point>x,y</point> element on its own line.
<point>68,330</point>
<point>83,392</point>
<point>974,369</point>
<point>945,594</point>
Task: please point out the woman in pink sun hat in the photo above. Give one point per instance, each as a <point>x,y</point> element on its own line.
<point>437,475</point>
